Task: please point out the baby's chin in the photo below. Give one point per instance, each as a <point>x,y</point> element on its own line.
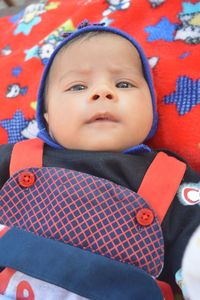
<point>99,147</point>
<point>99,143</point>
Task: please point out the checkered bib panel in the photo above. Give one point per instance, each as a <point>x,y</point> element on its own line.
<point>84,211</point>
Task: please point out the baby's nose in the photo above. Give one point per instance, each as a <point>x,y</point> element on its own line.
<point>103,93</point>
<point>96,96</point>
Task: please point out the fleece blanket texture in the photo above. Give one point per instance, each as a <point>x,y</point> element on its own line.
<point>169,32</point>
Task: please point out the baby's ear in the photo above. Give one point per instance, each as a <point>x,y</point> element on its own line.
<point>46,117</point>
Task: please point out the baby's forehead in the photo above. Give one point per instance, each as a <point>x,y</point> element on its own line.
<point>93,38</point>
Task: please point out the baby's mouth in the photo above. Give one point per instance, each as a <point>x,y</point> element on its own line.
<point>102,117</point>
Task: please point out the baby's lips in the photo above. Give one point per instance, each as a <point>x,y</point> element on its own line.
<point>102,116</point>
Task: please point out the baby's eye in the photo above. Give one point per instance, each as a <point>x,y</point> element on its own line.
<point>77,87</point>
<point>124,85</point>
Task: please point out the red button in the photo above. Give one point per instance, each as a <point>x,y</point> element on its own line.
<point>26,179</point>
<point>145,216</point>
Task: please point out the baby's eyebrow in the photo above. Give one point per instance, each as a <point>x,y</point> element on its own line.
<point>75,72</point>
<point>128,69</point>
<point>113,69</point>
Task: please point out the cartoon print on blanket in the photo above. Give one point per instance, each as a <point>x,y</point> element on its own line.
<point>46,46</point>
<point>171,38</point>
<point>153,61</point>
<point>31,130</point>
<point>6,50</point>
<point>31,17</point>
<point>14,90</point>
<point>156,3</point>
<point>116,5</point>
<point>189,30</point>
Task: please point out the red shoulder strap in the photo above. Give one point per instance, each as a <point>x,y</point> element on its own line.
<point>26,154</point>
<point>161,182</point>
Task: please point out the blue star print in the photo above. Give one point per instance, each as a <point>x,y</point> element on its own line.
<point>186,96</point>
<point>189,8</point>
<point>16,71</point>
<point>26,28</point>
<point>163,30</point>
<point>32,52</point>
<point>14,127</point>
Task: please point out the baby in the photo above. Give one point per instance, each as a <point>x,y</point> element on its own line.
<point>90,68</point>
<point>96,108</point>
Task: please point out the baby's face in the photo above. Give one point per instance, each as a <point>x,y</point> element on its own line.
<point>97,96</point>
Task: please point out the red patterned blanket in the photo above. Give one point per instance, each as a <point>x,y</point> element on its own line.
<point>169,31</point>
